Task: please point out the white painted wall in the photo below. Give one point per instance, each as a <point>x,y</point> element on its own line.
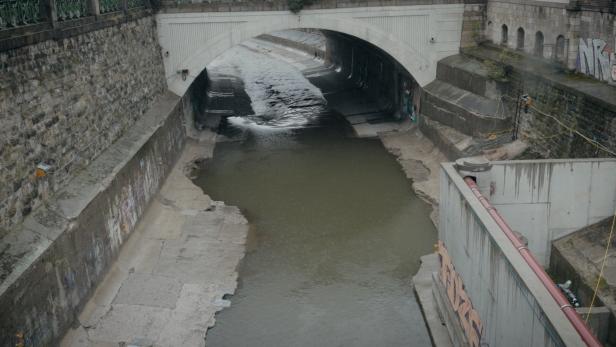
<point>192,40</point>
<point>514,306</point>
<point>548,199</point>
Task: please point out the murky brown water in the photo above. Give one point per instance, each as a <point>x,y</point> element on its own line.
<point>338,236</point>
<point>337,230</point>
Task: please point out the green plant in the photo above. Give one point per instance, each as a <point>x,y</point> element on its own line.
<point>296,5</point>
<point>476,34</point>
<point>602,283</point>
<point>499,69</point>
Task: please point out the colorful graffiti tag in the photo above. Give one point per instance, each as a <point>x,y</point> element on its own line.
<point>597,60</point>
<point>459,300</point>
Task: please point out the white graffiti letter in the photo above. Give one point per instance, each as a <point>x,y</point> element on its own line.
<point>602,65</point>
<point>587,59</point>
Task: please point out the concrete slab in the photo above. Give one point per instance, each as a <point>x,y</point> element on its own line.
<point>364,118</point>
<point>370,130</point>
<point>129,323</point>
<point>149,290</point>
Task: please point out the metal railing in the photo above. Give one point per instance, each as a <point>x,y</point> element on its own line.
<point>21,13</point>
<point>71,9</point>
<point>14,13</point>
<point>135,3</point>
<point>107,6</point>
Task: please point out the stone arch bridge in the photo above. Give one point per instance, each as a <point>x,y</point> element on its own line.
<point>417,36</point>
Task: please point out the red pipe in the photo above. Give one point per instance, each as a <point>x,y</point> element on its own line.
<point>587,336</point>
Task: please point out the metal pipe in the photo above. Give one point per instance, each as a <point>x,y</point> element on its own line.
<point>585,334</point>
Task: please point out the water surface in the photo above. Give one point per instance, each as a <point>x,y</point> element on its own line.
<point>338,233</point>
<point>336,229</point>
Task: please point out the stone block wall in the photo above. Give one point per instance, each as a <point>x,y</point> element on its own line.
<point>551,21</point>
<point>62,102</point>
<point>562,25</point>
<point>473,24</point>
<point>569,110</point>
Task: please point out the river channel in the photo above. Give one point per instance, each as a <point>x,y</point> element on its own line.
<point>336,231</point>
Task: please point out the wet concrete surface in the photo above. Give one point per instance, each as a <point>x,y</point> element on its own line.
<point>336,229</point>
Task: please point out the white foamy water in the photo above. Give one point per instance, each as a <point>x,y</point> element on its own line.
<point>280,95</point>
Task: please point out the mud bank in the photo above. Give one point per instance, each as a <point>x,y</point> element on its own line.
<point>420,160</point>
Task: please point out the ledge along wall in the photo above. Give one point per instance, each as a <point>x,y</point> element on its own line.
<point>63,249</point>
<point>513,305</point>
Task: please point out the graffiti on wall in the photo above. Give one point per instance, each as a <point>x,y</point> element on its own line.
<point>459,300</point>
<point>597,60</point>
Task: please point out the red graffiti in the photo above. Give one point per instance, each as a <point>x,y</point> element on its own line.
<point>459,300</point>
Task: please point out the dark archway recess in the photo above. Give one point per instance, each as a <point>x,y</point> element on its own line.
<point>520,41</point>
<point>539,44</point>
<point>359,64</point>
<point>559,49</point>
<point>504,35</point>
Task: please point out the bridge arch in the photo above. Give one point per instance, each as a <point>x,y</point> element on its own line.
<point>190,41</point>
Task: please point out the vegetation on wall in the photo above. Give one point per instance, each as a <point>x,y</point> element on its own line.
<point>297,5</point>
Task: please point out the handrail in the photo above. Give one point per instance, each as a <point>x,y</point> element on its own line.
<point>582,329</point>
<point>15,14</point>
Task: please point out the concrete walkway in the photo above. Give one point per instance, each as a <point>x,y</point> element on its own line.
<point>173,272</point>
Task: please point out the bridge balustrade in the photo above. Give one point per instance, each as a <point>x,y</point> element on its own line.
<point>23,13</point>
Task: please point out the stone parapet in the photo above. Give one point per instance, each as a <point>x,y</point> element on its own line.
<point>173,6</point>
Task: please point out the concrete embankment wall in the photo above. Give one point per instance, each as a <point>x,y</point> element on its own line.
<point>64,249</point>
<point>549,199</point>
<point>66,94</point>
<point>491,279</point>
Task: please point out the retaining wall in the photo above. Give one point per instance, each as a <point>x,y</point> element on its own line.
<point>513,306</point>
<point>549,199</point>
<point>54,261</point>
<point>67,96</point>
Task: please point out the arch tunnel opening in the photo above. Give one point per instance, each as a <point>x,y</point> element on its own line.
<point>336,230</point>
<point>337,64</point>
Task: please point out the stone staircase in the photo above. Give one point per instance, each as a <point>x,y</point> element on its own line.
<point>462,110</point>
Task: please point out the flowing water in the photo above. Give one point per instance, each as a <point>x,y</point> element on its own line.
<point>336,229</point>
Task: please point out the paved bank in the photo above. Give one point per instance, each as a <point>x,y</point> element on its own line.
<point>172,274</point>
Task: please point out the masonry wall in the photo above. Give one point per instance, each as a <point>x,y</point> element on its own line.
<point>558,110</point>
<point>572,21</point>
<point>63,102</point>
<point>552,21</point>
